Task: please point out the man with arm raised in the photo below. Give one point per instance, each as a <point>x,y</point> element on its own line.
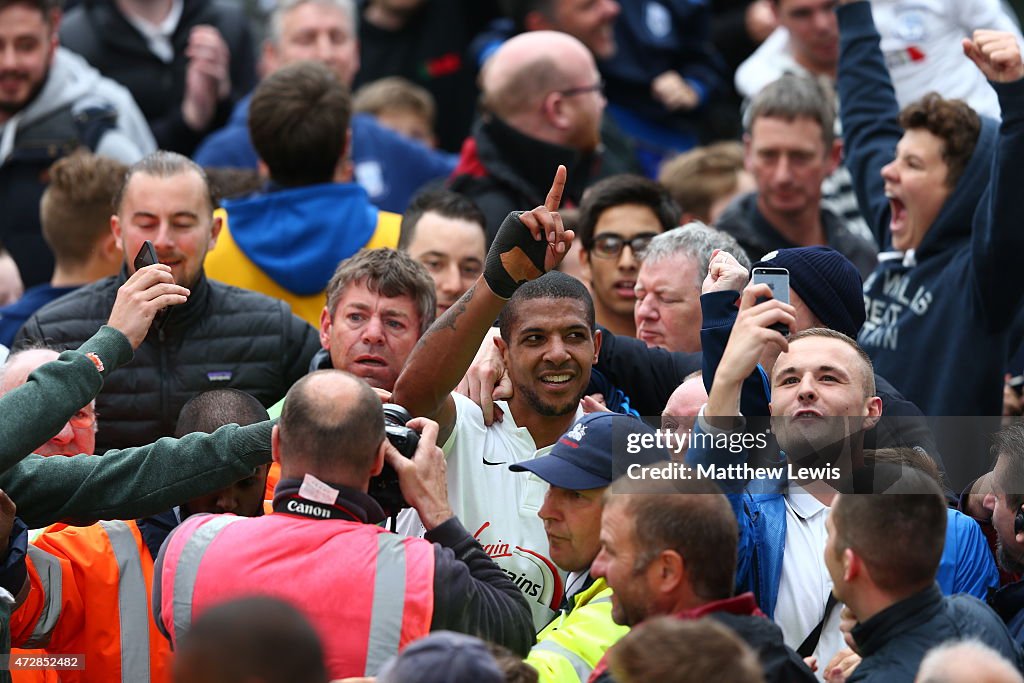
<point>548,343</point>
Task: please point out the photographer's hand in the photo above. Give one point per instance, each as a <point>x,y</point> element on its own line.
<point>422,479</point>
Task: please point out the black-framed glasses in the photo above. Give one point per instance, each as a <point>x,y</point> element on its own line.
<point>609,244</point>
<point>596,87</point>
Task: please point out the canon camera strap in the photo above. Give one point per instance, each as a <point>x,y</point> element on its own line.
<point>315,499</point>
<point>303,507</point>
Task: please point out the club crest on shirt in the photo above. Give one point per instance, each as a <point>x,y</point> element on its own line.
<point>911,26</point>
<point>658,19</point>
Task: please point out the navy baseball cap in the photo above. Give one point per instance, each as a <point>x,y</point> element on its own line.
<point>595,451</point>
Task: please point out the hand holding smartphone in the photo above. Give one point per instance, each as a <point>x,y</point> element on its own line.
<point>778,280</point>
<point>146,256</point>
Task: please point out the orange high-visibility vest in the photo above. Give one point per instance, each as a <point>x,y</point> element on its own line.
<point>90,594</point>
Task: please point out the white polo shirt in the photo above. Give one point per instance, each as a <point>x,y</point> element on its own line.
<point>805,583</point>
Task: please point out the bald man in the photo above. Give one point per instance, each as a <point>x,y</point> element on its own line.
<point>682,409</point>
<point>543,107</point>
<point>79,433</point>
<point>325,529</point>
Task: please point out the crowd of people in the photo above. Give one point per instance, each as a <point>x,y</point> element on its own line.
<point>453,360</point>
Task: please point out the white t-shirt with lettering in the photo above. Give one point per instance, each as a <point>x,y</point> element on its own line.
<point>499,507</point>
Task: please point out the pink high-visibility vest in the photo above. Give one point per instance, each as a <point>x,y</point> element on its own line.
<point>368,592</point>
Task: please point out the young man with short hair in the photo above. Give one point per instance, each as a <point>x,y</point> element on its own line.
<point>287,240</point>
<point>445,232</point>
<point>899,609</point>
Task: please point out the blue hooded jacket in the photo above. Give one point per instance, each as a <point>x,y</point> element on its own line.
<point>939,317</point>
<point>966,565</point>
<point>298,236</point>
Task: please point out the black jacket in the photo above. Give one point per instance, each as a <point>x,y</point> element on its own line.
<point>431,50</point>
<point>222,337</point>
<point>780,663</point>
<point>894,641</point>
<point>744,221</point>
<point>503,170</point>
<point>647,375</point>
<point>98,31</point>
<point>474,595</point>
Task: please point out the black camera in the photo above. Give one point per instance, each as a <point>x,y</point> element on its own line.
<point>384,487</point>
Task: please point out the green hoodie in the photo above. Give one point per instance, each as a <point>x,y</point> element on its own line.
<point>122,484</point>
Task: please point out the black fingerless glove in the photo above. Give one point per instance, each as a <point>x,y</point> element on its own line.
<point>503,255</point>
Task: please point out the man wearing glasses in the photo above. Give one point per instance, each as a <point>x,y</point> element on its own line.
<point>79,433</point>
<point>619,217</point>
<point>543,104</point>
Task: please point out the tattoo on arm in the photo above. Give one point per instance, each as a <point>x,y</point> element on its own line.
<point>448,319</point>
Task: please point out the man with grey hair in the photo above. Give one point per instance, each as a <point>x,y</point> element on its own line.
<point>966,661</point>
<point>667,311</point>
<point>223,337</point>
<point>389,167</point>
<point>790,148</point>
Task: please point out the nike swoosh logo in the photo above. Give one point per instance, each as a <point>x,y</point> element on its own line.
<point>488,462</point>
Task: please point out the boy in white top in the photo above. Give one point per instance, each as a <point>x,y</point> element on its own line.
<point>548,344</point>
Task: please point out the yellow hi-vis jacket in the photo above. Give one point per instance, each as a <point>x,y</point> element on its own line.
<point>569,648</point>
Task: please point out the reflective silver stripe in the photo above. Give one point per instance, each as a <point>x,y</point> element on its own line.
<point>582,669</point>
<point>388,602</point>
<point>132,603</point>
<point>187,569</point>
<point>600,600</point>
<point>52,579</point>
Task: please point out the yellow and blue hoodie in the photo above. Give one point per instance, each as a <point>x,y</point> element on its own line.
<point>286,243</point>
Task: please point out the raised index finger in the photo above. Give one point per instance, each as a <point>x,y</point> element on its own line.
<point>554,198</point>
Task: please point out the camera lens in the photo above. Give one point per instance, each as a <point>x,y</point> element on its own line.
<point>395,415</point>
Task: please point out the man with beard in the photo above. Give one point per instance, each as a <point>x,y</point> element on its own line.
<point>223,337</point>
<point>548,342</point>
<point>822,399</point>
<point>51,102</point>
<point>1003,506</point>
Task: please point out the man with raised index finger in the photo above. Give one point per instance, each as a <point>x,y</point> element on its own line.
<point>549,343</point>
